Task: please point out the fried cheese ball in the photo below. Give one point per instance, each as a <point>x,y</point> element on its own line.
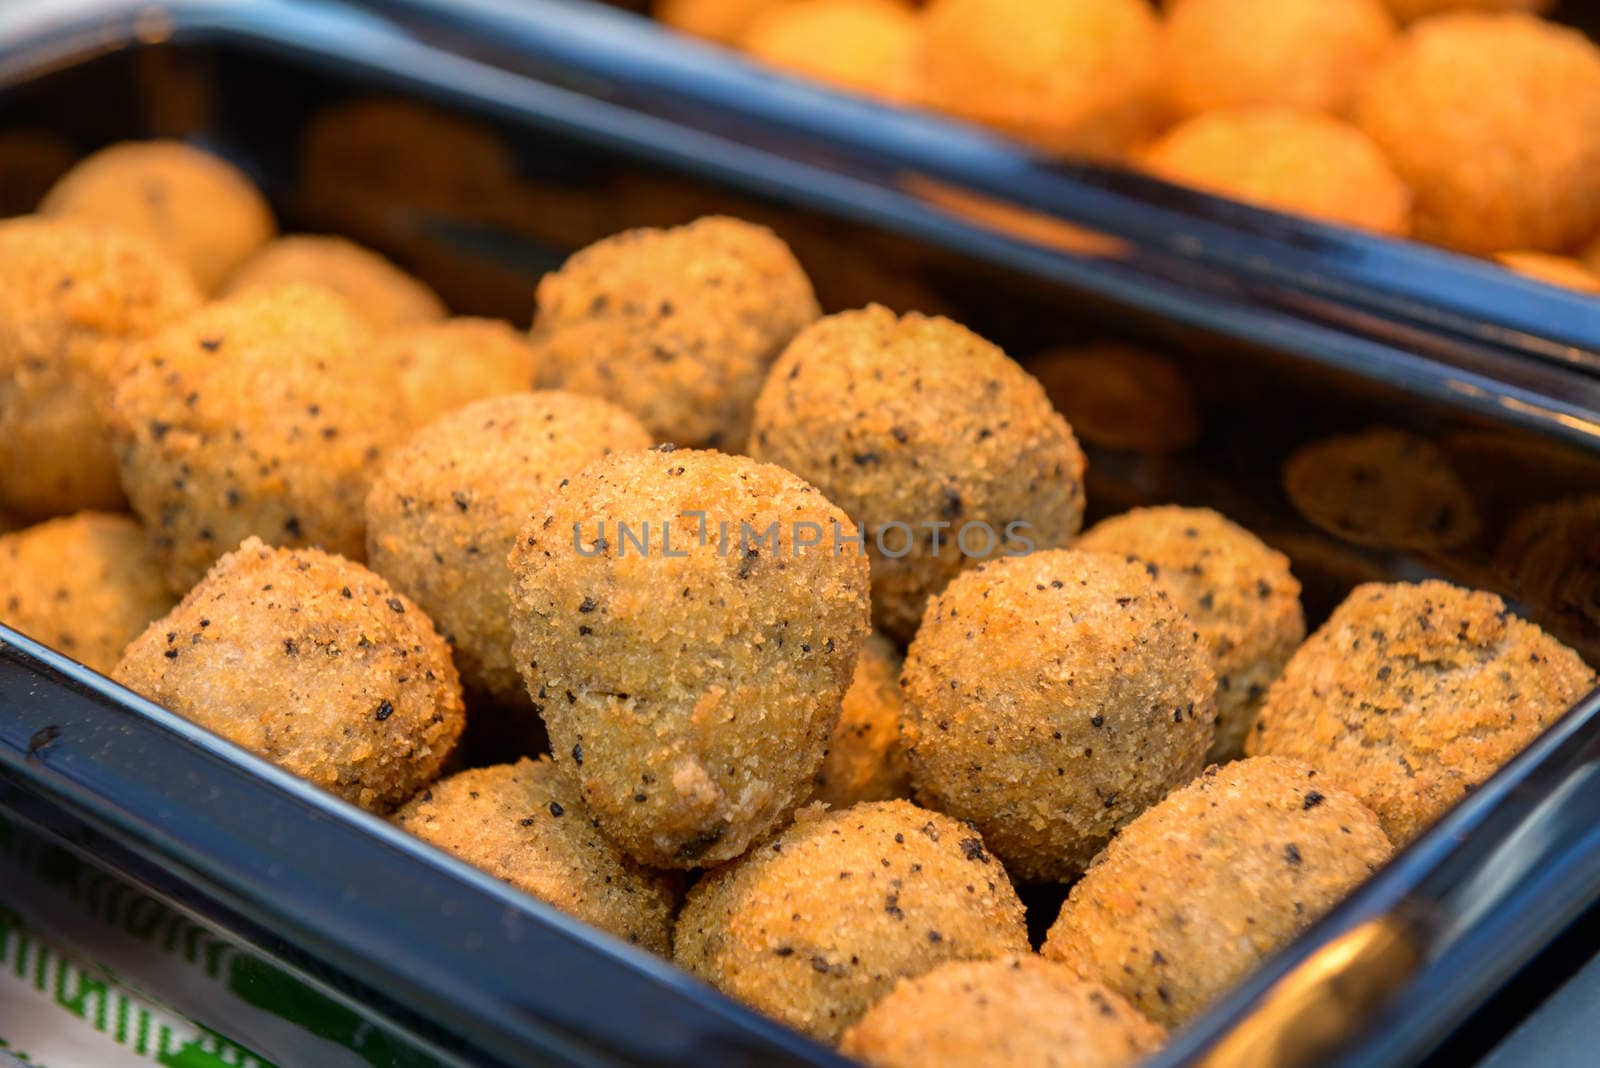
<point>724,21</point>
<point>677,326</point>
<point>866,761</point>
<point>1015,1012</point>
<point>85,585</point>
<point>1412,694</point>
<point>1238,592</point>
<point>446,365</point>
<point>1383,488</point>
<point>690,672</point>
<point>1300,162</point>
<point>867,46</point>
<point>1416,9</point>
<point>1077,77</point>
<point>1050,699</point>
<point>523,823</point>
<point>311,662</point>
<point>1493,120</point>
<point>72,296</point>
<point>815,926</point>
<point>380,291</point>
<point>261,414</point>
<point>445,509</point>
<point>934,440</point>
<point>1562,271</point>
<point>1196,892</point>
<point>200,209</point>
<point>1308,54</point>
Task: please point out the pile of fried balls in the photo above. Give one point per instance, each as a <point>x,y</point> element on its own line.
<point>1470,124</point>
<point>828,667</point>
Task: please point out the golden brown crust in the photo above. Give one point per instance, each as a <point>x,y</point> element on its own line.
<point>1410,695</point>
<point>690,695</point>
<point>1288,160</point>
<point>523,823</point>
<point>866,760</point>
<point>677,326</point>
<point>1015,1012</point>
<point>911,420</point>
<point>85,585</point>
<point>1073,76</point>
<point>445,508</point>
<point>200,209</point>
<point>1416,9</point>
<point>1238,592</point>
<point>1310,54</point>
<point>380,291</point>
<point>71,296</point>
<point>865,46</point>
<point>1051,698</point>
<point>724,21</point>
<point>312,662</point>
<point>263,415</point>
<point>1493,120</point>
<point>817,924</point>
<point>1190,896</point>
<point>1383,488</point>
<point>445,365</point>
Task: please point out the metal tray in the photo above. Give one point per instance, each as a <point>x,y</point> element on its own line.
<point>548,125</point>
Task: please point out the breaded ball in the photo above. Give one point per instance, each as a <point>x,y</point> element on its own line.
<point>446,365</point>
<point>1120,397</point>
<point>1562,271</point>
<point>1416,9</point>
<point>1308,54</point>
<point>445,509</point>
<point>1412,694</point>
<point>1300,162</point>
<point>1238,592</point>
<point>262,414</point>
<point>1494,123</point>
<point>524,824</point>
<point>1384,488</point>
<point>311,662</point>
<point>867,46</point>
<point>724,21</point>
<point>1015,1012</point>
<point>1072,76</point>
<point>866,761</point>
<point>936,442</point>
<point>815,926</point>
<point>380,291</point>
<point>85,585</point>
<point>1196,892</point>
<point>690,671</point>
<point>1050,699</point>
<point>678,326</point>
<point>71,296</point>
<point>202,210</point>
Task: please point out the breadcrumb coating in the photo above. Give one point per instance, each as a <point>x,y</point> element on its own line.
<point>1015,1012</point>
<point>866,759</point>
<point>85,585</point>
<point>1050,699</point>
<point>312,662</point>
<point>934,440</point>
<point>384,294</point>
<point>445,509</point>
<point>1412,694</point>
<point>1193,894</point>
<point>678,326</point>
<point>690,672</point>
<point>524,824</point>
<point>446,365</point>
<point>1238,592</point>
<point>200,209</point>
<point>72,295</point>
<point>816,925</point>
<point>866,46</point>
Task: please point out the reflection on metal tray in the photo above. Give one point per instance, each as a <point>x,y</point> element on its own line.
<point>478,144</point>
